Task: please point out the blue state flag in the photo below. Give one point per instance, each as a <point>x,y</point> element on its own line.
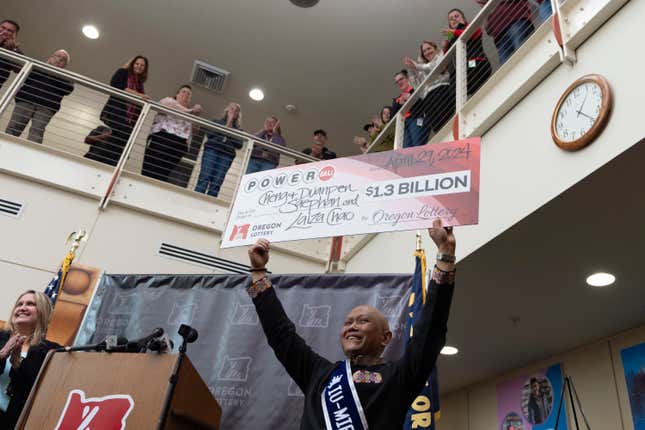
<point>424,411</point>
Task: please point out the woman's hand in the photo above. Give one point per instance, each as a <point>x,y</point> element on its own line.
<point>409,62</point>
<point>8,347</point>
<point>16,358</point>
<point>197,109</point>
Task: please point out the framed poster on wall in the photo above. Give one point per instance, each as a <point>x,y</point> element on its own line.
<point>530,401</point>
<point>634,368</point>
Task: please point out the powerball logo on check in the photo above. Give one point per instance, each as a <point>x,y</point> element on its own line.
<point>290,179</point>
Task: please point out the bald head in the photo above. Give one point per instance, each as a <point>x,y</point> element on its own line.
<point>365,332</point>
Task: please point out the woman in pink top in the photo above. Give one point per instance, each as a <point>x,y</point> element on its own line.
<point>169,136</point>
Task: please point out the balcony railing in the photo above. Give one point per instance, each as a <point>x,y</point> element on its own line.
<point>78,127</point>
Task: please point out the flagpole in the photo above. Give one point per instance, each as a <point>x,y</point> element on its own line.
<point>419,240</point>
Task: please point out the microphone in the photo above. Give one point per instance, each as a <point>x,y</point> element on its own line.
<point>161,344</point>
<point>140,345</point>
<point>110,343</point>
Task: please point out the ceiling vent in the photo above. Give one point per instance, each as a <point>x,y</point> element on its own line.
<point>10,208</point>
<point>208,76</point>
<point>200,259</point>
<point>304,3</point>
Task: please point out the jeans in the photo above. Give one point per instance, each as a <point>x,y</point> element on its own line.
<point>545,10</point>
<point>257,165</point>
<point>416,132</point>
<point>215,165</point>
<point>512,37</point>
<point>39,116</point>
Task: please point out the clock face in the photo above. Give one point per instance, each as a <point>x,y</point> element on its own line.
<point>579,111</point>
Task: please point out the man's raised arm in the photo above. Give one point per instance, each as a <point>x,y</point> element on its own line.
<point>291,350</point>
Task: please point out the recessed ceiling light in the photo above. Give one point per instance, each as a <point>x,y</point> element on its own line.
<point>449,350</point>
<point>601,279</point>
<point>91,32</point>
<point>256,94</point>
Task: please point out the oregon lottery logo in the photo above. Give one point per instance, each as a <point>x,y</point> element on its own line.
<point>239,232</point>
<point>107,413</point>
<point>327,173</point>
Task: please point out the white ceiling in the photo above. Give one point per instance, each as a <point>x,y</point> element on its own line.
<point>334,61</point>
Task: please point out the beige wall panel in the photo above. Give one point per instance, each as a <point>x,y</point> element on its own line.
<point>16,279</point>
<point>482,407</point>
<point>37,237</point>
<point>454,411</point>
<point>620,342</point>
<point>592,373</point>
<point>126,241</point>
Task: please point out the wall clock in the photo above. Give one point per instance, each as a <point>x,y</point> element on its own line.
<point>581,113</point>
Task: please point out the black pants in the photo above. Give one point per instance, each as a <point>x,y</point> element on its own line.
<point>162,155</point>
<point>440,106</point>
<point>109,151</point>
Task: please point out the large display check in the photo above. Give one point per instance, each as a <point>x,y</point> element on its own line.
<point>397,190</point>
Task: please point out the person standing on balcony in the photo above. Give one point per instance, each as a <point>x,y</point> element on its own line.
<point>417,127</point>
<point>39,99</point>
<point>219,152</point>
<point>119,115</point>
<point>438,95</point>
<point>509,24</point>
<point>477,66</point>
<point>8,34</point>
<point>318,147</point>
<point>262,158</point>
<point>170,136</point>
<point>387,143</point>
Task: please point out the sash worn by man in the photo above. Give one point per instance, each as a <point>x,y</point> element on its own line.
<point>364,391</point>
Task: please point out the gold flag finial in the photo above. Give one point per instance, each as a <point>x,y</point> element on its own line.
<point>76,237</point>
<point>418,240</point>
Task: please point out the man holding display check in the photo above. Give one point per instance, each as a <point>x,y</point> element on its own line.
<point>363,391</point>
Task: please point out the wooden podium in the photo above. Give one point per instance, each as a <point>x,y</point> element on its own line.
<point>103,376</point>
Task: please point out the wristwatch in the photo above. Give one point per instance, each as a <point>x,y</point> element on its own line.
<point>258,286</point>
<point>446,258</point>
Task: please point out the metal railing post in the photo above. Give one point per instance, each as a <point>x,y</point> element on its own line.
<point>15,86</point>
<point>461,83</point>
<point>399,131</point>
<point>125,154</point>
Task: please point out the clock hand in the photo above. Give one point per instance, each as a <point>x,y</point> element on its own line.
<point>583,103</point>
<point>584,114</point>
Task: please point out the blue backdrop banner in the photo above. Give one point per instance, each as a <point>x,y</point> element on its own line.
<point>232,354</point>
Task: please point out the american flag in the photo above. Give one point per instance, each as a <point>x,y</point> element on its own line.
<point>56,284</point>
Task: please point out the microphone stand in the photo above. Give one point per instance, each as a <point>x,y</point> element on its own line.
<point>174,377</point>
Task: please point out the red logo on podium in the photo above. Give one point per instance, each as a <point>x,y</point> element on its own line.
<point>105,413</point>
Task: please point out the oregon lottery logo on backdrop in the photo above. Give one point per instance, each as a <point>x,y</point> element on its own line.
<point>105,413</point>
<point>234,369</point>
<point>243,315</point>
<point>314,316</point>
